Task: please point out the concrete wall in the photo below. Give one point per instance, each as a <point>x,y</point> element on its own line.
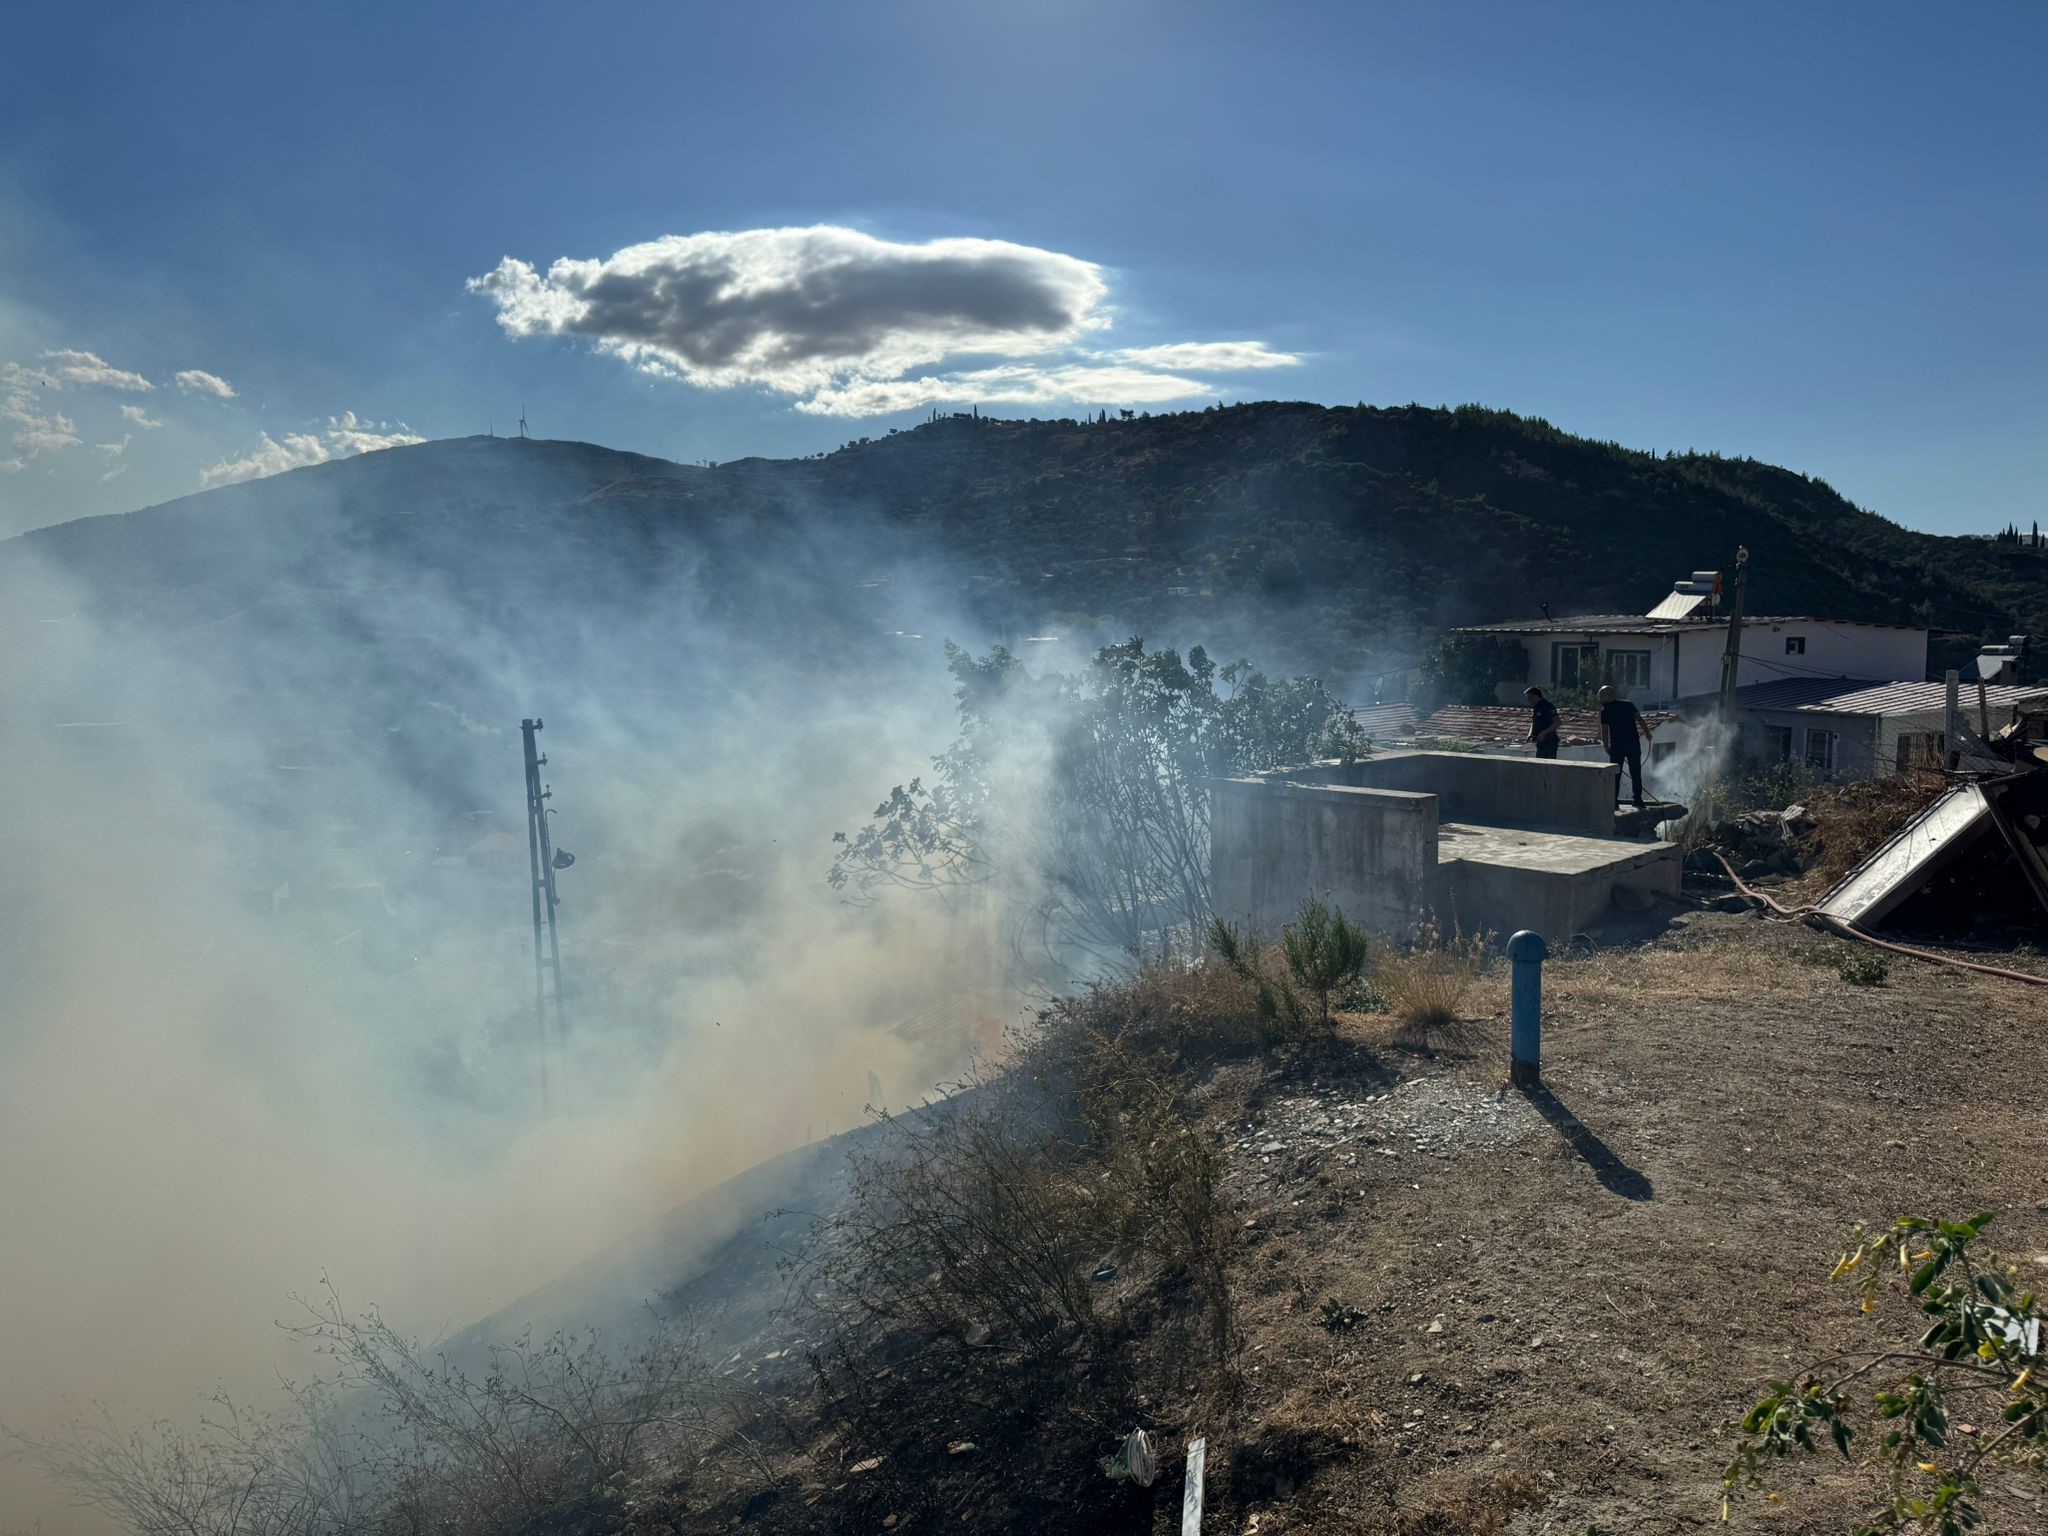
<point>1371,853</point>
<point>1557,796</point>
<point>1479,896</point>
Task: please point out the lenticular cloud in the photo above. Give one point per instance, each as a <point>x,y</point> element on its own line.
<point>850,324</point>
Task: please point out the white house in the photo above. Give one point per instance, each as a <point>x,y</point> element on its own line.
<point>1858,730</point>
<point>1675,651</point>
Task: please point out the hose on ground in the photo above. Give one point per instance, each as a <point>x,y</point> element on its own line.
<point>1847,930</point>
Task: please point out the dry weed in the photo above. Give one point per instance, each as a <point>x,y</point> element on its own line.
<point>1851,820</point>
<point>1425,984</point>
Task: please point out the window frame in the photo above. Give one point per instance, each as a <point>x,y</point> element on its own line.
<point>1581,650</point>
<point>1833,740</point>
<point>1795,645</point>
<point>1639,666</point>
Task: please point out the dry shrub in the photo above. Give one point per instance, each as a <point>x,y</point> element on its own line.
<point>1852,820</point>
<point>986,1215</point>
<point>1038,1261</point>
<point>1424,983</point>
<point>1191,1012</point>
<point>398,1441</point>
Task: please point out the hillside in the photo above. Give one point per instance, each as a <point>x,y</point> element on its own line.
<point>1332,539</point>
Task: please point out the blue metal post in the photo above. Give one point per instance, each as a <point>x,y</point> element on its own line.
<point>1526,953</point>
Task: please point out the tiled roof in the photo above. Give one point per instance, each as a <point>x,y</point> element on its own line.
<point>1382,722</point>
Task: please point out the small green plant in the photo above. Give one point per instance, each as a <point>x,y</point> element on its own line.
<point>1325,951</point>
<point>1864,967</point>
<point>1323,954</point>
<point>1278,1007</point>
<point>1982,1347</point>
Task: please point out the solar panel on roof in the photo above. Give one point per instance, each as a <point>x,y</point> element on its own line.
<point>1678,605</point>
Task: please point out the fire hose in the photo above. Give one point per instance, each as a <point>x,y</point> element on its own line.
<point>1835,925</point>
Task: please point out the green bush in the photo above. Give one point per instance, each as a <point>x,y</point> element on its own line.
<point>1864,967</point>
<point>1323,955</point>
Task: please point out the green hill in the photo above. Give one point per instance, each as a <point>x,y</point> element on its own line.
<point>1312,537</point>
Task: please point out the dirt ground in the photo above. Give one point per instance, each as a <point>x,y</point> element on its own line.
<point>1467,1310</point>
<point>1546,1308</point>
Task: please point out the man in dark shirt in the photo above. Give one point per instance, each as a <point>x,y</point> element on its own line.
<point>1622,729</point>
<point>1542,722</point>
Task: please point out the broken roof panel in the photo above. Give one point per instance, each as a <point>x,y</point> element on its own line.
<point>1938,832</point>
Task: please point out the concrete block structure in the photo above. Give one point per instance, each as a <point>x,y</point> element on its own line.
<point>1475,841</point>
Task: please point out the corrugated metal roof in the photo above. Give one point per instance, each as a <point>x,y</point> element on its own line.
<point>1860,696</point>
<point>1635,624</point>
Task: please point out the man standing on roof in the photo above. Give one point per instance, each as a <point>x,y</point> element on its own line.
<point>1622,729</point>
<point>1542,722</point>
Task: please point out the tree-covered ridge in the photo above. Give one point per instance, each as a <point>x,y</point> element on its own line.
<point>1332,540</point>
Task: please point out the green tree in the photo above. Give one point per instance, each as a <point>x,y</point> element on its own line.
<point>1081,803</point>
<point>1466,669</point>
<point>1976,1360</point>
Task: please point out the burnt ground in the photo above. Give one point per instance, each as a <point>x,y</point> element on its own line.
<point>1469,1309</point>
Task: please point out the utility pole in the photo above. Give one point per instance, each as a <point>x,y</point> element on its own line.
<point>543,860</point>
<point>1731,659</point>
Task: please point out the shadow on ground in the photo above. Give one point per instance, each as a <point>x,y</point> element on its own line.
<point>1610,1170</point>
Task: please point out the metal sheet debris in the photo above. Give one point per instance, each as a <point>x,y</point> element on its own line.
<point>1905,861</point>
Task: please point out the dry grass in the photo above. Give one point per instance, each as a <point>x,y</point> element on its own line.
<point>1680,971</point>
<point>1425,984</point>
<point>1850,820</point>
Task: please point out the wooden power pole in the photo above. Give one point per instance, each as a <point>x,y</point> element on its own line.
<point>541,857</point>
<point>1731,659</point>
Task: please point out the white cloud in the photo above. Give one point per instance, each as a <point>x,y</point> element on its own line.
<point>35,428</point>
<point>797,309</point>
<point>114,474</point>
<point>197,381</point>
<point>344,436</point>
<point>69,366</point>
<point>140,417</point>
<point>1211,356</point>
<point>842,320</point>
<point>1010,384</point>
<point>112,450</point>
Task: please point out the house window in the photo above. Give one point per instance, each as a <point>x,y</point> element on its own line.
<point>1820,751</point>
<point>1778,743</point>
<point>1919,749</point>
<point>1628,669</point>
<point>1795,645</point>
<point>1574,665</point>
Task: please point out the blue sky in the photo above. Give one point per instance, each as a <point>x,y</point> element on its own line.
<point>1812,233</point>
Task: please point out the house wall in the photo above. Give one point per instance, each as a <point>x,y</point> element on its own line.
<point>1832,650</point>
<point>1860,744</point>
<point>1686,664</point>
